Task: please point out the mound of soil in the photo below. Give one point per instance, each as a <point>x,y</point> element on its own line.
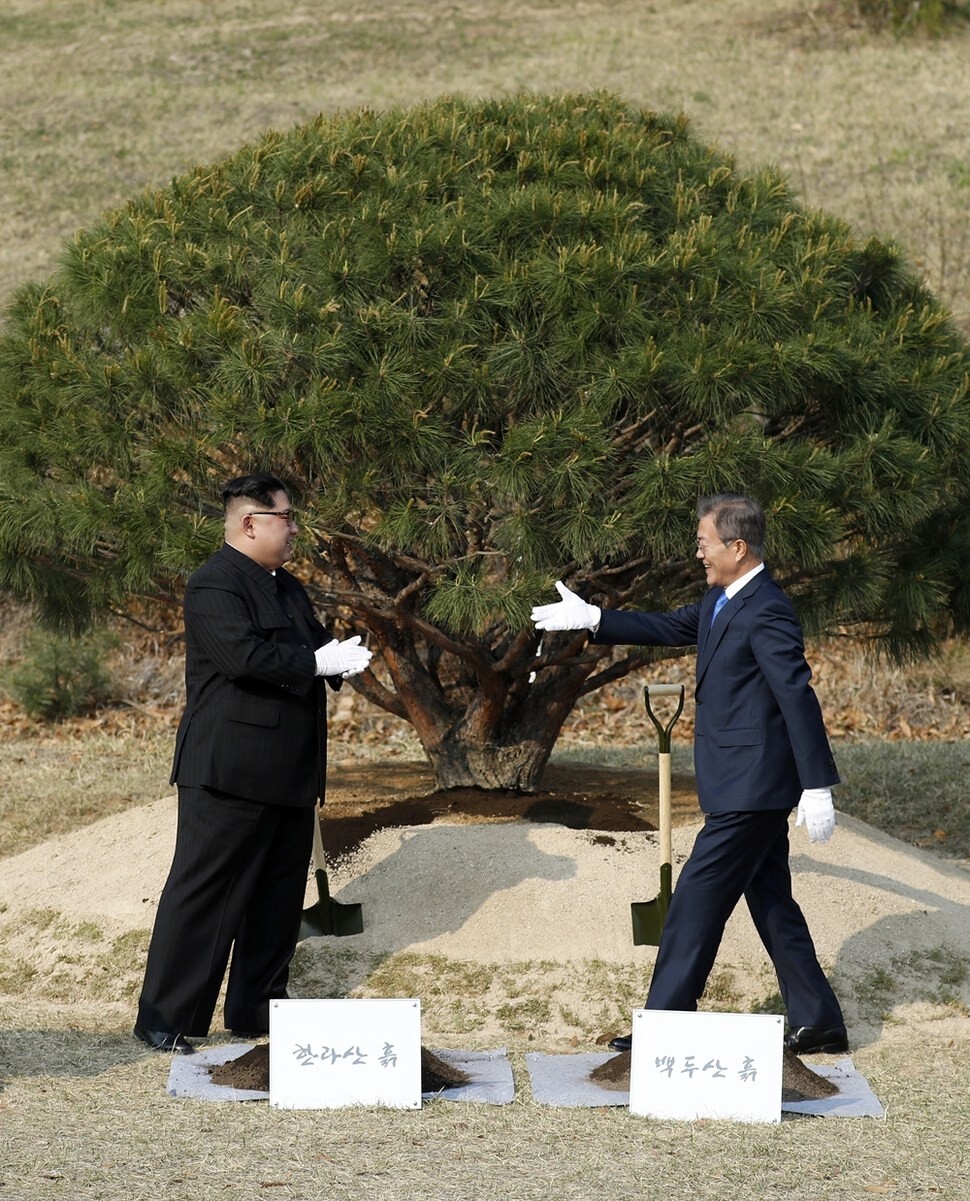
<point>250,1071</point>
<point>798,1082</point>
<point>614,1074</point>
<point>436,1075</point>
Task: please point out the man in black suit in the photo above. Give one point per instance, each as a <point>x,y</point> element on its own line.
<point>760,750</point>
<point>250,760</point>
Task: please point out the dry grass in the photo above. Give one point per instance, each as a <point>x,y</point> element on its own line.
<point>56,780</point>
<point>85,1116</point>
<point>101,100</point>
<point>535,1001</point>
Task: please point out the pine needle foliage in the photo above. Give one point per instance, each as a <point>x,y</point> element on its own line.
<point>488,343</point>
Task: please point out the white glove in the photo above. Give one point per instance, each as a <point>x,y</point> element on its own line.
<point>347,658</point>
<point>570,613</point>
<point>817,814</point>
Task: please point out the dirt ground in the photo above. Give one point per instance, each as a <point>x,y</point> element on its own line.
<point>377,796</point>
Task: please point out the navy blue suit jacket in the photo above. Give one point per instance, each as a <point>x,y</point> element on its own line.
<point>759,736</point>
<point>254,723</point>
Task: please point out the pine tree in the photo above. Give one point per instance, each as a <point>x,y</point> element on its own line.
<point>488,344</point>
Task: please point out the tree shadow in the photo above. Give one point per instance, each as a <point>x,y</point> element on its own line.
<point>57,1052</point>
<point>431,884</point>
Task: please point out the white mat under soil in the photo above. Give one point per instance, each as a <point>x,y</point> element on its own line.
<point>564,1080</point>
<point>490,1071</point>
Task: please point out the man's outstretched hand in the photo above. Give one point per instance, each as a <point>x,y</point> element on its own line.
<point>570,613</point>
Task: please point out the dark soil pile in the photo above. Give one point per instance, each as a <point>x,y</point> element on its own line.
<point>251,1071</point>
<point>798,1083</point>
<point>362,799</point>
<point>437,1075</point>
<point>614,1073</point>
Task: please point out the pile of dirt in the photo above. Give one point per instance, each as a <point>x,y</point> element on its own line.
<point>250,1071</point>
<point>798,1082</point>
<point>436,1075</point>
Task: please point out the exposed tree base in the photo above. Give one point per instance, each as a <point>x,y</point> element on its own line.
<point>581,797</point>
<point>516,768</point>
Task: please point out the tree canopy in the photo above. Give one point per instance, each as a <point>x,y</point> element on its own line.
<point>489,344</point>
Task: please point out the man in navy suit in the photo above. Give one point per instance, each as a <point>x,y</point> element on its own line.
<point>250,761</point>
<point>760,750</point>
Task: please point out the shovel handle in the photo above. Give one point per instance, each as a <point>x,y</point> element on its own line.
<point>663,731</point>
<point>664,690</point>
<point>666,815</point>
<point>663,759</point>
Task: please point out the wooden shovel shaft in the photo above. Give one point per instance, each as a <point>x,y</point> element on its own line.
<point>319,858</point>
<point>666,816</point>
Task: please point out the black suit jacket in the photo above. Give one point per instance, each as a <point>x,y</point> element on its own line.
<point>759,736</point>
<point>254,723</point>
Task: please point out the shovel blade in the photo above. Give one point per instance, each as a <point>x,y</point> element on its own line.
<point>328,916</point>
<point>649,916</point>
<point>648,922</point>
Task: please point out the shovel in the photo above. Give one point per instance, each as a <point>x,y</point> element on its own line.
<point>327,916</point>
<point>648,916</point>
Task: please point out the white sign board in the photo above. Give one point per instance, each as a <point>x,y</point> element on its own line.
<point>706,1065</point>
<point>329,1054</point>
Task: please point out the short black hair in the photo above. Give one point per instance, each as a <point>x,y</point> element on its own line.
<point>260,489</point>
<point>736,517</point>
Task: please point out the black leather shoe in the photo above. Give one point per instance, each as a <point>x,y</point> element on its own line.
<point>248,1035</point>
<point>163,1040</point>
<point>622,1042</point>
<point>817,1040</point>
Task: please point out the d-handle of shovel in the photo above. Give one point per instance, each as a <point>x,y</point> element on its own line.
<point>663,731</point>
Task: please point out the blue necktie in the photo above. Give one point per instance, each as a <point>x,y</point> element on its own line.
<point>719,604</point>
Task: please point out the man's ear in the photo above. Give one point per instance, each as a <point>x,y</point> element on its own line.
<point>236,523</point>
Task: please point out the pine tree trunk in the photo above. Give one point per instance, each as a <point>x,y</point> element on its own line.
<point>493,731</point>
<point>517,767</point>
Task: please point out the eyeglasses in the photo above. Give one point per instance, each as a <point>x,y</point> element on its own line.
<point>288,515</point>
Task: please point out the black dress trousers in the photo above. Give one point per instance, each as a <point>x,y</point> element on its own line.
<point>237,883</point>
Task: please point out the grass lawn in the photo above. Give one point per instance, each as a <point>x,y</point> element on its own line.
<point>100,100</point>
